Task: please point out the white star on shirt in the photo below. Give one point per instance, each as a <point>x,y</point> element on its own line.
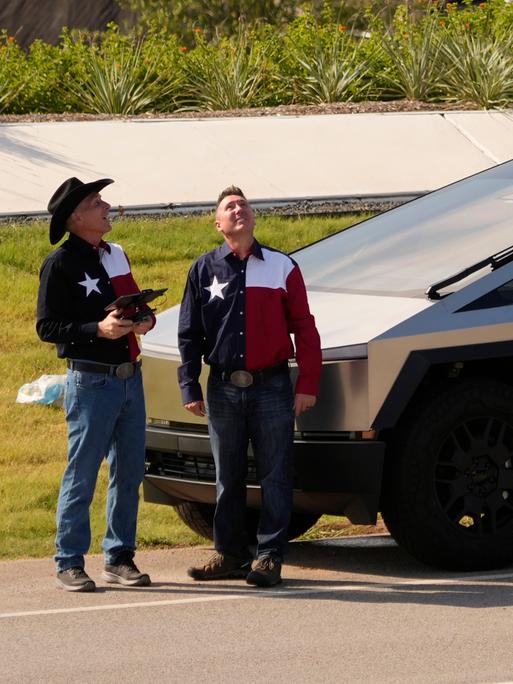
<point>90,284</point>
<point>216,289</point>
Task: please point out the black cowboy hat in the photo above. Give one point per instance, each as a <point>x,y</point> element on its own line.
<point>65,199</point>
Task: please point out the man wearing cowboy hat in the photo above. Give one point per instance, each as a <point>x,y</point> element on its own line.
<point>104,399</point>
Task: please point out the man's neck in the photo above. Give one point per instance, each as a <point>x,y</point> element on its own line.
<point>242,248</point>
<point>91,237</point>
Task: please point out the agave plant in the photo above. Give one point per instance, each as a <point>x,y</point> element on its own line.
<point>332,72</point>
<point>478,68</point>
<point>123,81</point>
<point>227,74</point>
<point>414,58</point>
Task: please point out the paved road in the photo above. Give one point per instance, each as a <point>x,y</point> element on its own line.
<point>355,610</point>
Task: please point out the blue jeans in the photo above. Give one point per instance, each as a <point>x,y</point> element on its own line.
<point>262,414</point>
<point>106,418</point>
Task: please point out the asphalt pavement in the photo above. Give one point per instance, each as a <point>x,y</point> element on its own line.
<point>352,610</point>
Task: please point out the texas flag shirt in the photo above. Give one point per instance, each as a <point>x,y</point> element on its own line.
<point>77,282</point>
<point>239,314</point>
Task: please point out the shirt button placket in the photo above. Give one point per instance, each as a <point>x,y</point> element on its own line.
<point>242,281</point>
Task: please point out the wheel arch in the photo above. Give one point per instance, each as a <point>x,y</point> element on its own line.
<point>427,367</point>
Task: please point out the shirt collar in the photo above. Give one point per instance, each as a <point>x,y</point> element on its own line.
<point>256,250</point>
<point>85,246</point>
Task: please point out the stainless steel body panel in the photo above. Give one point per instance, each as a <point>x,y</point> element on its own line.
<point>343,403</point>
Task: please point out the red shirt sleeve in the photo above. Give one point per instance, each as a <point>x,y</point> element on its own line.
<point>301,324</point>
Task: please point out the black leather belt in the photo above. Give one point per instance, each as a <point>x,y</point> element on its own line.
<point>243,378</point>
<point>121,370</point>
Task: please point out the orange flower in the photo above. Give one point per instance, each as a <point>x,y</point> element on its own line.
<point>482,4</point>
<point>183,48</point>
<point>11,39</point>
<point>197,29</point>
<point>342,28</point>
<point>467,25</point>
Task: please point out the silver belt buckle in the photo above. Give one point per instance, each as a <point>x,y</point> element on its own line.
<point>125,370</point>
<point>241,378</point>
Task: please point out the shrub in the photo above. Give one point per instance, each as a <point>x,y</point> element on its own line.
<point>333,73</point>
<point>228,73</point>
<point>413,52</point>
<point>478,69</point>
<point>441,53</point>
<point>322,61</point>
<point>122,75</point>
<point>13,75</point>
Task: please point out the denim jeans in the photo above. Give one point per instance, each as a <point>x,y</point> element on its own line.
<point>262,414</point>
<point>106,418</point>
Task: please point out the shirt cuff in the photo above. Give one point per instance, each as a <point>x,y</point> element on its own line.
<point>89,330</point>
<point>191,393</point>
<point>307,386</point>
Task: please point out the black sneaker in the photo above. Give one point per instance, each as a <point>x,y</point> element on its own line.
<point>221,566</point>
<point>127,573</point>
<point>266,572</point>
<point>75,579</point>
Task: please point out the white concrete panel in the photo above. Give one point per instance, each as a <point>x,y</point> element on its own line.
<point>175,161</point>
<point>492,132</point>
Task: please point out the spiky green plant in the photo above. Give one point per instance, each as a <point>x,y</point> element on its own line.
<point>227,74</point>
<point>413,52</point>
<point>333,72</point>
<point>126,79</point>
<point>478,68</point>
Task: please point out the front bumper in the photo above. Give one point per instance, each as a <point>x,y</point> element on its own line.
<point>332,474</point>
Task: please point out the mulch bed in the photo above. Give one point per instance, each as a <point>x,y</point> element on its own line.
<point>282,110</point>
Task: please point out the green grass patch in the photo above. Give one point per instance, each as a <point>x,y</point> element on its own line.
<point>33,437</point>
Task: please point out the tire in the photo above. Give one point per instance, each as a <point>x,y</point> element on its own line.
<point>448,482</point>
<point>200,518</point>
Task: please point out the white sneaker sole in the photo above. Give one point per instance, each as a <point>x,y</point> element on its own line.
<point>88,587</point>
<point>112,578</point>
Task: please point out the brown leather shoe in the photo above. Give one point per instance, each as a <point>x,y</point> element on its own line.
<point>266,572</point>
<point>221,566</point>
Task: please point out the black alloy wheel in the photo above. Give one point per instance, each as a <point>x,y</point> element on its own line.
<point>448,482</point>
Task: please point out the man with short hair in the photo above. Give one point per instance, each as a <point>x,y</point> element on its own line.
<point>241,303</point>
<point>104,399</point>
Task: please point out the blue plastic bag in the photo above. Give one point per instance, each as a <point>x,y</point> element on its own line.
<point>48,389</point>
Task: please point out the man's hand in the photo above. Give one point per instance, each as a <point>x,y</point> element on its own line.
<point>142,327</point>
<point>196,407</point>
<point>112,327</point>
<point>303,402</point>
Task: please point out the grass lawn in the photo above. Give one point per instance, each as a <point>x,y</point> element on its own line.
<point>33,437</point>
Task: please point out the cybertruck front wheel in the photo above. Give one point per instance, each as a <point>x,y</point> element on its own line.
<point>448,484</point>
<point>200,518</point>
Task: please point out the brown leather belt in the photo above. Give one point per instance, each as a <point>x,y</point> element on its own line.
<point>243,378</point>
<point>121,370</point>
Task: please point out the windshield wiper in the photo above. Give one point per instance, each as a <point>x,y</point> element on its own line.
<point>494,261</point>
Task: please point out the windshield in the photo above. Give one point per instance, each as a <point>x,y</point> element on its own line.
<point>404,250</point>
